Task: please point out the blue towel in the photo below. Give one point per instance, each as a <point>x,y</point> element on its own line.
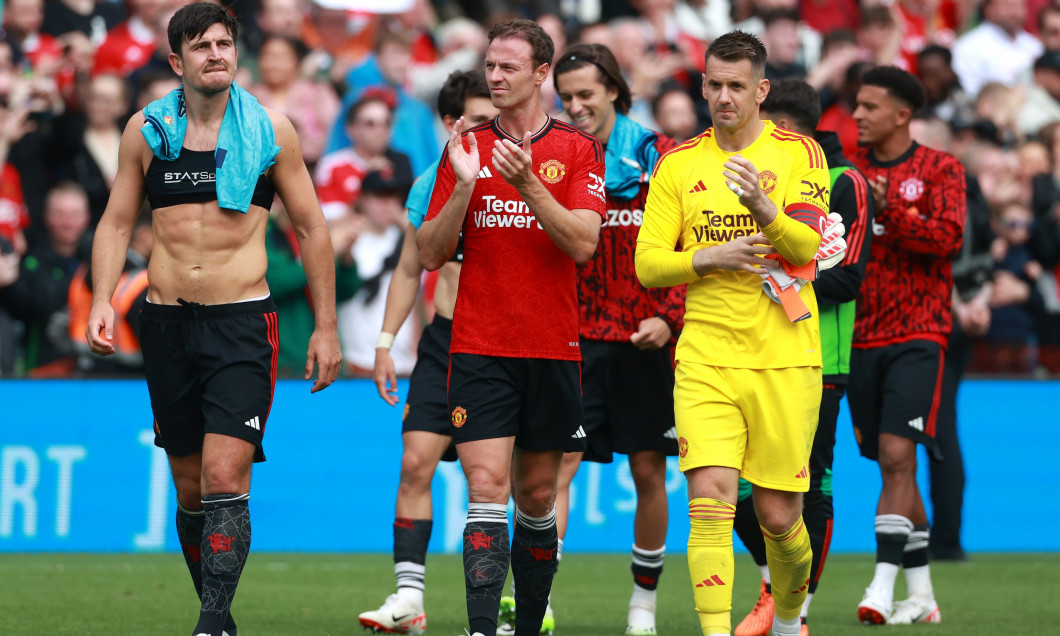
<point>630,158</point>
<point>246,145</point>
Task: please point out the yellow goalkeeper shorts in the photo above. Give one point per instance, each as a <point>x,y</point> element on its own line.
<point>759,421</point>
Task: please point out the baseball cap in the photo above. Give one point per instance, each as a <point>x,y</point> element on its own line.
<point>391,179</point>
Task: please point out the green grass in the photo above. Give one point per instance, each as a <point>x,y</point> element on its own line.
<point>321,594</point>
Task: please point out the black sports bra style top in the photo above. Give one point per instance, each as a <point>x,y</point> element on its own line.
<point>192,179</point>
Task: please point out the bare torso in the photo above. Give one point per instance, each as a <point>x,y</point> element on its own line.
<point>445,289</point>
<point>206,254</point>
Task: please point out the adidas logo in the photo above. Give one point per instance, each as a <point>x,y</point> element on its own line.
<point>254,423</point>
<point>918,424</point>
<point>699,187</point>
<point>485,173</point>
<point>803,474</point>
<point>711,582</point>
<point>671,434</point>
<point>579,434</point>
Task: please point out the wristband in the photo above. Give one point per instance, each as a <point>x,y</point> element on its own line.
<point>386,340</point>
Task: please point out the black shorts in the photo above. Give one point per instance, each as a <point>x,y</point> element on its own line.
<point>210,369</point>
<point>427,405</point>
<point>823,451</point>
<point>895,389</point>
<point>629,400</point>
<point>538,401</point>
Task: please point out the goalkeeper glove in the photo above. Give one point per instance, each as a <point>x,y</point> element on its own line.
<point>833,245</point>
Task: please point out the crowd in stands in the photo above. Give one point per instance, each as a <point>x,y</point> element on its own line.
<point>360,88</point>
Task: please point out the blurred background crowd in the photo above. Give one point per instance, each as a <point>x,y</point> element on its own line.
<point>360,78</point>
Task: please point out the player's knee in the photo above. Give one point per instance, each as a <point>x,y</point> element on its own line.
<point>416,471</point>
<point>486,486</point>
<point>778,520</point>
<point>223,479</point>
<point>648,470</point>
<point>189,495</point>
<point>536,499</point>
<point>897,461</point>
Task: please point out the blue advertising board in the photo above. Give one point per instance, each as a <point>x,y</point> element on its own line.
<point>79,472</point>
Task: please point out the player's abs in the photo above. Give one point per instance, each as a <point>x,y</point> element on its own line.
<point>207,255</point>
<point>445,289</point>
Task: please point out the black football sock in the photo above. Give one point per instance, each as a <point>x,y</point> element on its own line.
<point>411,537</point>
<point>486,558</point>
<point>534,549</point>
<point>225,546</point>
<point>189,532</point>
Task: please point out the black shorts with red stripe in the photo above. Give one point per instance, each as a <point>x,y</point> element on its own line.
<point>896,389</point>
<point>210,369</point>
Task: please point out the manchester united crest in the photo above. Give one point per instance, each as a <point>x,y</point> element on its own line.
<point>552,171</point>
<point>767,180</point>
<point>911,189</point>
<point>682,446</point>
<point>459,416</point>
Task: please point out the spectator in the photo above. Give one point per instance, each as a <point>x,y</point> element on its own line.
<point>809,40</point>
<point>999,49</point>
<point>413,121</point>
<point>825,16</point>
<point>1006,347</point>
<point>284,18</point>
<point>839,116</point>
<point>704,20</point>
<point>23,20</point>
<point>780,34</point>
<point>839,49</point>
<point>289,286</point>
<point>924,22</point>
<point>461,45</point>
<point>675,114</point>
<point>1042,103</point>
<point>93,18</point>
<point>129,297</point>
<point>154,85</point>
<point>1049,26</point>
<point>87,143</point>
<point>311,105</point>
<point>880,36</point>
<point>380,210</point>
<point>946,99</point>
<point>129,45</point>
<point>339,174</point>
<point>39,298</point>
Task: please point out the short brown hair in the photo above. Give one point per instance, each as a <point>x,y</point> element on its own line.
<point>735,46</point>
<point>541,47</point>
<point>610,75</point>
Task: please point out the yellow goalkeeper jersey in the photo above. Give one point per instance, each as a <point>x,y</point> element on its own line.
<point>729,320</point>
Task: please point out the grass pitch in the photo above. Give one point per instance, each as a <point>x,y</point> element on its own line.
<point>321,594</point>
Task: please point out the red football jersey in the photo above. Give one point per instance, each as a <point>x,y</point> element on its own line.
<point>13,215</point>
<point>338,180</point>
<point>518,291</point>
<point>905,294</point>
<point>126,48</point>
<point>612,300</point>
